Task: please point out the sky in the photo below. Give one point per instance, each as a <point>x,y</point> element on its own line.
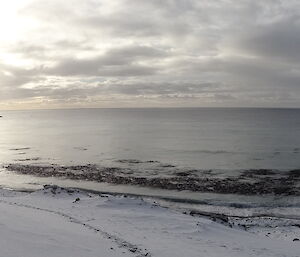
<point>149,53</point>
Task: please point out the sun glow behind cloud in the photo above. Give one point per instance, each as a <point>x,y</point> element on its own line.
<point>13,28</point>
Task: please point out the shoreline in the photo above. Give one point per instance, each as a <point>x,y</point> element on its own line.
<point>249,182</point>
<point>268,220</point>
<point>226,219</point>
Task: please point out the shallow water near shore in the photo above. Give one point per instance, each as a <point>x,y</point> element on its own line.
<point>229,204</point>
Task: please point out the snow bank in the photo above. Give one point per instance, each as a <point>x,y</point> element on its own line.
<point>67,222</point>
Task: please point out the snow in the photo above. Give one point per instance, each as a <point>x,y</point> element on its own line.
<point>66,222</point>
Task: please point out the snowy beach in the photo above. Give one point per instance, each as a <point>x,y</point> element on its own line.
<point>55,221</point>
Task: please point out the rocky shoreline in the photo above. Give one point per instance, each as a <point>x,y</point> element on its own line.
<point>250,182</point>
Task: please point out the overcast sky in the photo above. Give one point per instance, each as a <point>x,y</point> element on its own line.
<point>129,53</point>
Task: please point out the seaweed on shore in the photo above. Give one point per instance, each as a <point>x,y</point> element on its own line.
<point>267,184</point>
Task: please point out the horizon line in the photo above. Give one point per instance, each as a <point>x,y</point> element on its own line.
<point>157,107</point>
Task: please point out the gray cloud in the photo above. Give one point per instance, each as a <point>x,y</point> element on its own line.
<point>280,40</point>
<point>164,53</point>
<point>115,62</point>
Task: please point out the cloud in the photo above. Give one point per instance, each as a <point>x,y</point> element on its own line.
<point>277,40</point>
<point>115,62</point>
<point>152,53</point>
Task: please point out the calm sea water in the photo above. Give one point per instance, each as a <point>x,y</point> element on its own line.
<point>225,139</point>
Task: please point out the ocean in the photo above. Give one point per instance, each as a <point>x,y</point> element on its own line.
<point>161,143</point>
<point>225,139</point>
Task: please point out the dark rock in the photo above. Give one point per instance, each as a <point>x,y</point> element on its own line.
<point>182,180</point>
<point>76,200</point>
<point>133,250</point>
<point>295,173</point>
